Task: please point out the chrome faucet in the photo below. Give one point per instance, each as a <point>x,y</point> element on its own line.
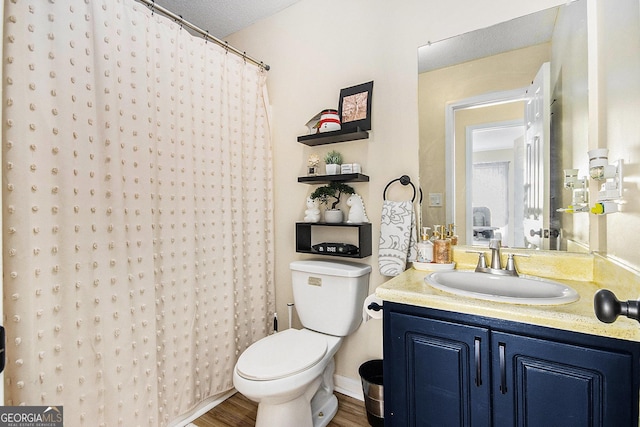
<point>496,261</point>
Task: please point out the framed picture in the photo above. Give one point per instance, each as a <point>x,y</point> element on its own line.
<point>355,107</point>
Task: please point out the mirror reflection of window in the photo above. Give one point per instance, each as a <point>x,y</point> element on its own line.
<point>494,175</point>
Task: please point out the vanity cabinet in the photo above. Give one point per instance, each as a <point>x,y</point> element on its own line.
<point>452,369</point>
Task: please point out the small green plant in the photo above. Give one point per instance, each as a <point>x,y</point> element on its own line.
<point>332,190</point>
<point>333,158</point>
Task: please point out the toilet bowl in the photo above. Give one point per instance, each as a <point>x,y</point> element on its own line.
<point>290,376</point>
<point>290,373</point>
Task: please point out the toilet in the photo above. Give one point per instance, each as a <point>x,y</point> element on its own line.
<point>290,373</point>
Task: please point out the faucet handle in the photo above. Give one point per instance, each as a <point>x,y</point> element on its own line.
<point>511,265</point>
<point>482,260</point>
<point>495,244</point>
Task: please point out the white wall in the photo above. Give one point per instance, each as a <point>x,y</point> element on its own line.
<point>317,48</point>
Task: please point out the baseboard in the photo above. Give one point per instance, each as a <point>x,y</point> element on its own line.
<point>201,409</point>
<point>345,385</point>
<point>348,386</point>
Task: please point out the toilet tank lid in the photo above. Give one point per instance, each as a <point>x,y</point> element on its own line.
<point>331,268</point>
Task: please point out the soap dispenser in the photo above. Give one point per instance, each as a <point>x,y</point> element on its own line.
<point>442,248</point>
<point>436,233</point>
<point>425,247</point>
<point>452,235</point>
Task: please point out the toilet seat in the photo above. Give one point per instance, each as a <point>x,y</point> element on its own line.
<point>281,355</point>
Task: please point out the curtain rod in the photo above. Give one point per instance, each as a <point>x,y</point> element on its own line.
<point>154,7</point>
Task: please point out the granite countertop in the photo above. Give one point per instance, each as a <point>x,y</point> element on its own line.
<point>410,288</point>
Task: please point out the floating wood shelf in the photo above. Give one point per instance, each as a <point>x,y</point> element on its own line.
<point>333,137</point>
<point>303,229</point>
<point>303,238</point>
<point>325,179</point>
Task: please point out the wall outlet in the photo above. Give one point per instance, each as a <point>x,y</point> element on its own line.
<point>435,200</point>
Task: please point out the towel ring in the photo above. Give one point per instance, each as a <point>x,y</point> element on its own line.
<point>404,180</point>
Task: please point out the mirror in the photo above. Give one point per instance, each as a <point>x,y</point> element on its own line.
<point>503,111</point>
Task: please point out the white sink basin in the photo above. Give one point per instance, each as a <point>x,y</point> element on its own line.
<point>515,290</point>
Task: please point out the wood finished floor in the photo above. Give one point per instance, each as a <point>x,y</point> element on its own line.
<point>238,411</point>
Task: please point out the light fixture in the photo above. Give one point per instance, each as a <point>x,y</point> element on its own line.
<point>599,167</point>
<point>610,194</point>
<point>570,178</point>
<point>580,192</point>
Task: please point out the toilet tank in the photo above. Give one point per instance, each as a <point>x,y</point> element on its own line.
<point>329,294</point>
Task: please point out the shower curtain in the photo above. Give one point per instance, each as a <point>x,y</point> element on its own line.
<point>137,206</point>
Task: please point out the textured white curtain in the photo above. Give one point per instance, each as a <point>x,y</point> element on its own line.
<point>137,204</point>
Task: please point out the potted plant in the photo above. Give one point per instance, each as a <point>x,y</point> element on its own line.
<point>333,160</point>
<point>328,192</point>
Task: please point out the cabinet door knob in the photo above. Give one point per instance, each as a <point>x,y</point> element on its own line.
<point>608,307</point>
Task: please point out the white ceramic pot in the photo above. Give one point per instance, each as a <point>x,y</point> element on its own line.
<point>333,169</point>
<point>333,216</point>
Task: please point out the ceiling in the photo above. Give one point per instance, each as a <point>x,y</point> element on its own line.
<point>224,17</point>
<point>496,138</point>
<point>517,33</point>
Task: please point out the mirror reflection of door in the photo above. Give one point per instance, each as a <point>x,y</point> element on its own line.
<point>507,169</point>
<point>537,161</point>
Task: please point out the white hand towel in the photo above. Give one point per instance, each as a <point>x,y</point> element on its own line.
<point>397,237</point>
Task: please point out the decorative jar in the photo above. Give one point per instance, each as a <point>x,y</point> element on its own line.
<point>329,121</point>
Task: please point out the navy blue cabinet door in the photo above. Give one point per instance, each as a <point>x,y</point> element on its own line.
<point>556,384</point>
<point>436,373</point>
<point>451,369</point>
